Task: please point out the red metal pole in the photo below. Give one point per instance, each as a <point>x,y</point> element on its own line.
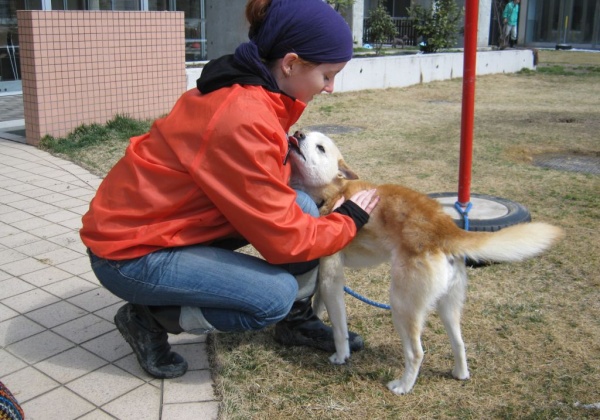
<point>468,102</point>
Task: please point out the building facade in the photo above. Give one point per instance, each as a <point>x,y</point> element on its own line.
<point>216,27</point>
<point>552,22</point>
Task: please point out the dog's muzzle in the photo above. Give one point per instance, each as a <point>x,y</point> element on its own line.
<point>294,145</point>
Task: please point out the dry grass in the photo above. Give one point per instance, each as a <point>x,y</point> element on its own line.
<point>531,328</point>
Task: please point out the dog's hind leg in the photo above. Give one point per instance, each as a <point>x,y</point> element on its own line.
<point>331,290</point>
<point>450,308</point>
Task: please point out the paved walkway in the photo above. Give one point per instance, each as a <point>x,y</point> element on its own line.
<point>11,107</point>
<point>60,354</point>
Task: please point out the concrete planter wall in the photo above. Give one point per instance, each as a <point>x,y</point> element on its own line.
<point>406,70</point>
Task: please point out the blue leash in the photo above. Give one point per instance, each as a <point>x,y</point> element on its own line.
<point>365,300</point>
<point>465,215</point>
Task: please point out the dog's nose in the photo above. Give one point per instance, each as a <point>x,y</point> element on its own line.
<point>299,135</point>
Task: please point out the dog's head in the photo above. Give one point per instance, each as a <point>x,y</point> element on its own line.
<point>317,165</point>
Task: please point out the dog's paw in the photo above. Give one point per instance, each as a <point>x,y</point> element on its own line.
<point>460,374</point>
<point>338,360</point>
<point>398,387</point>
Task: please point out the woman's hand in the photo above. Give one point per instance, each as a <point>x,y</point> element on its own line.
<point>365,199</point>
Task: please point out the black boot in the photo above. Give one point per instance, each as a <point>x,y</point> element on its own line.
<point>149,342</point>
<point>301,327</point>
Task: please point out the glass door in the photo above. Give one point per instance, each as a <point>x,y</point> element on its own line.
<point>10,57</point>
<point>596,27</point>
<point>10,78</point>
<point>195,29</point>
<point>578,23</point>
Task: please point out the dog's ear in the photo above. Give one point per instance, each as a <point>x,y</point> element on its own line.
<point>345,172</point>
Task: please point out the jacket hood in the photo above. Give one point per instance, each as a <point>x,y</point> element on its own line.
<point>226,71</point>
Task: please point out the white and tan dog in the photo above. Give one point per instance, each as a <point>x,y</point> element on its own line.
<point>426,249</point>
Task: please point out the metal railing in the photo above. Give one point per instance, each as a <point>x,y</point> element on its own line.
<point>404,30</point>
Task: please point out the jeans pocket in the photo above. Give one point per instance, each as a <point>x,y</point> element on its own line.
<point>122,278</point>
<point>130,269</point>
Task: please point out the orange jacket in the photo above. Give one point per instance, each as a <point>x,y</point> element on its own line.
<point>212,169</point>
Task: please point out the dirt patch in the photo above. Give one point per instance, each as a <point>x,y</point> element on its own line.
<point>334,129</point>
<point>589,164</point>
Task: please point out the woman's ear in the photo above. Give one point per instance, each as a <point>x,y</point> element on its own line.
<point>287,63</point>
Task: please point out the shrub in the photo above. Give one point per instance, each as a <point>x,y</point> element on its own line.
<point>438,25</point>
<point>381,26</point>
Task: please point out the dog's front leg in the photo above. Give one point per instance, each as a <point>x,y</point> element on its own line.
<point>331,288</point>
<point>410,297</point>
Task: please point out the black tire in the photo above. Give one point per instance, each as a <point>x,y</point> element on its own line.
<point>515,214</point>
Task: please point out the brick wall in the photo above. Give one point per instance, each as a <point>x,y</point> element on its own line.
<point>83,67</point>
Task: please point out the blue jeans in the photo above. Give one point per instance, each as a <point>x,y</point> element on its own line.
<point>235,291</point>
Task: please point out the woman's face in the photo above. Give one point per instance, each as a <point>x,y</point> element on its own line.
<point>304,80</point>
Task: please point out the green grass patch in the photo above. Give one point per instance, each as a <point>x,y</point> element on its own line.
<point>555,70</point>
<point>97,147</point>
<point>119,128</point>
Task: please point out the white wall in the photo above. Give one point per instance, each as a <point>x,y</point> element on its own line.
<point>407,70</point>
<point>401,71</point>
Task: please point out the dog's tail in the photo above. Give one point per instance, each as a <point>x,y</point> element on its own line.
<point>513,243</point>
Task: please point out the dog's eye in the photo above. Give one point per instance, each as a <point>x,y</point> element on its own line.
<point>321,148</point>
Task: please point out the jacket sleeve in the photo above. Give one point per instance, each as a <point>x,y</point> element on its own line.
<point>241,170</point>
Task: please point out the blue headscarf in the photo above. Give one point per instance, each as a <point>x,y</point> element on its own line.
<point>310,28</point>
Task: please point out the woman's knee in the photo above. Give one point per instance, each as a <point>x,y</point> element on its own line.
<point>259,312</point>
<point>277,314</point>
<point>306,203</point>
<point>277,302</point>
